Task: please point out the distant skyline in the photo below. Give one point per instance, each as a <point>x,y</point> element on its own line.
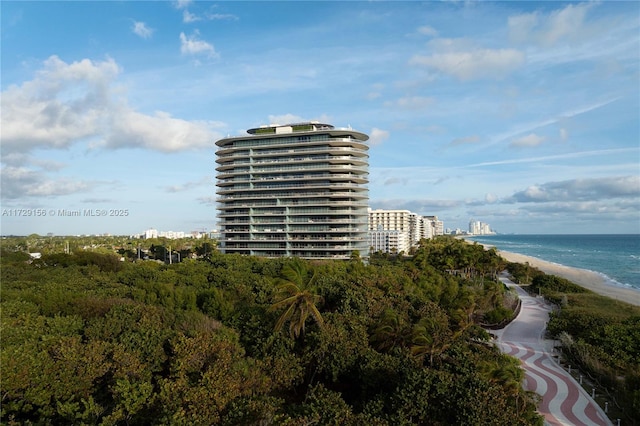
<point>522,115</point>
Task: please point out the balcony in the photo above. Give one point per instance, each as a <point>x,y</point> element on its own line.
<point>355,193</point>
<point>224,189</point>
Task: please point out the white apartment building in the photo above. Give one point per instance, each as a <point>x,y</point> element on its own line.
<point>411,226</point>
<point>172,235</point>
<point>389,241</point>
<point>151,233</point>
<point>435,227</point>
<point>390,220</point>
<point>294,190</point>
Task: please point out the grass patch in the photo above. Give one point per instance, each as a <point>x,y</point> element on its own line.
<point>602,306</point>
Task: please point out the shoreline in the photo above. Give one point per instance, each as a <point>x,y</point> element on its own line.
<point>588,279</point>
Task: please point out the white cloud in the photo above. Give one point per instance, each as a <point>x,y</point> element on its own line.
<point>465,140</point>
<point>159,132</point>
<point>285,119</point>
<point>564,134</point>
<point>220,16</point>
<point>520,26</point>
<point>427,30</point>
<point>375,91</point>
<point>527,141</point>
<point>63,104</point>
<point>18,182</point>
<point>560,117</point>
<point>181,4</point>
<point>472,64</point>
<point>377,136</point>
<point>420,206</point>
<point>282,119</point>
<point>395,181</point>
<point>80,102</point>
<point>191,45</point>
<point>141,29</point>
<point>412,102</point>
<point>596,189</point>
<point>209,201</point>
<point>567,24</point>
<point>579,154</point>
<point>204,181</point>
<point>490,198</point>
<point>188,17</point>
<point>451,44</point>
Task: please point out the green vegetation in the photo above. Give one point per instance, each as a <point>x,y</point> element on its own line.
<point>302,127</point>
<point>232,340</point>
<point>598,334</point>
<point>265,130</point>
<point>127,247</point>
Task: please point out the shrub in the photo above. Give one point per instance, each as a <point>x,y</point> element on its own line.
<point>497,315</point>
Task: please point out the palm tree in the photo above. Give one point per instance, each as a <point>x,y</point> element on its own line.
<point>431,336</point>
<point>507,373</point>
<point>462,318</point>
<point>296,294</point>
<point>390,331</point>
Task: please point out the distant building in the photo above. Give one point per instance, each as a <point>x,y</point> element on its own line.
<point>172,235</point>
<point>410,226</point>
<point>150,233</point>
<point>390,220</point>
<point>479,228</point>
<point>389,241</point>
<point>294,190</point>
<point>435,227</point>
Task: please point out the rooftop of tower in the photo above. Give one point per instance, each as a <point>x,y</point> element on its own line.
<point>278,130</point>
<point>290,128</point>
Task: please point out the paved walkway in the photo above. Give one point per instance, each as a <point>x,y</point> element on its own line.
<point>564,401</point>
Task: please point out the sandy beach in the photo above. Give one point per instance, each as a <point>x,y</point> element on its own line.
<point>587,279</point>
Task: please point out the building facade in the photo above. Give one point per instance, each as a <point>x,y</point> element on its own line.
<point>479,228</point>
<point>388,241</point>
<point>294,190</point>
<point>400,230</point>
<point>390,220</point>
<point>411,228</point>
<point>434,226</point>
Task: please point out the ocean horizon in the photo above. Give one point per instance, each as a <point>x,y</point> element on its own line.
<point>616,257</point>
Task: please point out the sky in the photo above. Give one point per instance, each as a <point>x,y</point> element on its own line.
<point>522,115</point>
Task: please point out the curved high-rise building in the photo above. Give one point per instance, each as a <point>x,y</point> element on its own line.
<point>294,190</point>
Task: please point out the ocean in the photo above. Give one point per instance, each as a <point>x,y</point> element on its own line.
<point>616,257</point>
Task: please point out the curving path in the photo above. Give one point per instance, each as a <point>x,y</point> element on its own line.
<point>564,401</point>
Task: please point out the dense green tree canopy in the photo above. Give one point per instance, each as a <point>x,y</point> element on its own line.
<point>88,338</point>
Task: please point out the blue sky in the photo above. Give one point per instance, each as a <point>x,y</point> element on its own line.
<point>521,115</point>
